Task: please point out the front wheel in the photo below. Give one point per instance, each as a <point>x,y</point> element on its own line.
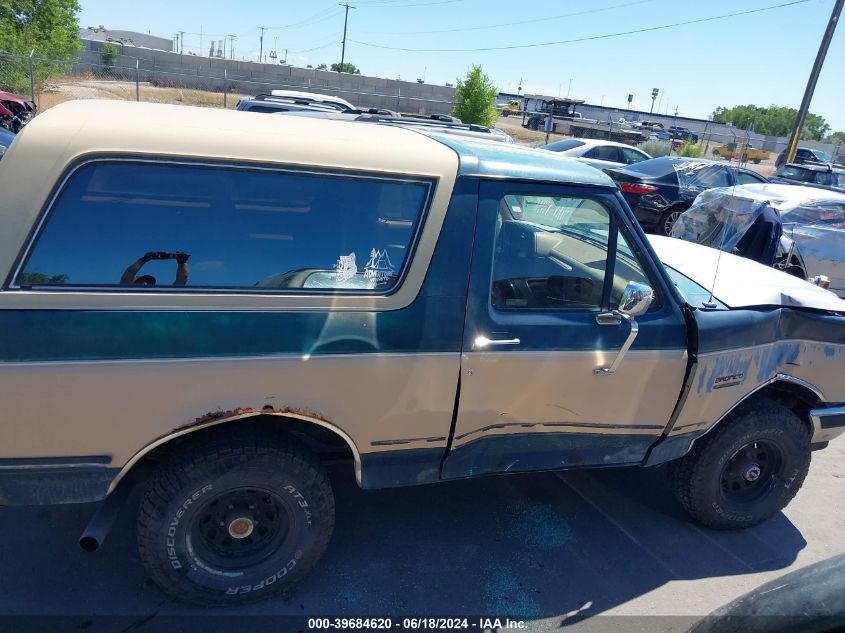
<point>238,518</point>
<point>746,470</point>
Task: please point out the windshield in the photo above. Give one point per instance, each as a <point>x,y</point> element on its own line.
<point>694,294</point>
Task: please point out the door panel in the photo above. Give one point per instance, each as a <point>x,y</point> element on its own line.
<point>529,398</point>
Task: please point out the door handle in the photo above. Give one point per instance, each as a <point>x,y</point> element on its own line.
<point>481,342</point>
<point>616,318</point>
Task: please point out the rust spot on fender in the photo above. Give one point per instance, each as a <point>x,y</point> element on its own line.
<point>215,416</point>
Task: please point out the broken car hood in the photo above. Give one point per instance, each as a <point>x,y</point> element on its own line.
<point>741,282</point>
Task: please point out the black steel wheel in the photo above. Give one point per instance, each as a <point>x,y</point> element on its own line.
<point>752,471</point>
<point>746,469</point>
<point>236,517</point>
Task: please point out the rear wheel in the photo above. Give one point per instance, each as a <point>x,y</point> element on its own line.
<point>746,470</point>
<point>668,219</point>
<point>234,520</point>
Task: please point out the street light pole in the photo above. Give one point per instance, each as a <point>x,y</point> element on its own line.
<point>811,82</point>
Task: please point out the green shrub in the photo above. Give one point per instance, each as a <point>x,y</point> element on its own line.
<point>691,150</point>
<point>108,54</point>
<point>656,148</point>
<point>475,99</point>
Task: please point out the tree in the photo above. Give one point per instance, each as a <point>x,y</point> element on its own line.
<point>108,53</point>
<point>50,27</point>
<point>475,98</point>
<point>836,137</point>
<point>347,68</point>
<point>774,120</point>
<point>322,67</point>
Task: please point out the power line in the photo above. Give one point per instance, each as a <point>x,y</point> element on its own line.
<point>314,19</point>
<point>520,22</point>
<point>581,39</point>
<point>316,48</point>
<point>403,6</point>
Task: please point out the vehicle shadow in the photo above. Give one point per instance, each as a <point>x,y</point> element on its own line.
<point>529,546</point>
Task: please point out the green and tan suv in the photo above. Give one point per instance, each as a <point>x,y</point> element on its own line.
<point>208,304</point>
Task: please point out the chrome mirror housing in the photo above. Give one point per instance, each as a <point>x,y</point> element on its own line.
<point>636,299</point>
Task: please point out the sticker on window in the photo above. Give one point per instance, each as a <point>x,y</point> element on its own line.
<point>346,268</point>
<point>379,268</point>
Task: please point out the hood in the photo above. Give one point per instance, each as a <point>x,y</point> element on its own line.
<point>741,282</point>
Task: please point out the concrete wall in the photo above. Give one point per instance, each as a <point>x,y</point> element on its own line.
<point>212,73</point>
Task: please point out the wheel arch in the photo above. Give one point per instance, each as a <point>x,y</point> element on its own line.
<point>306,426</point>
<point>796,394</point>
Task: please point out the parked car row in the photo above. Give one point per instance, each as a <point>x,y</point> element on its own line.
<point>661,189</point>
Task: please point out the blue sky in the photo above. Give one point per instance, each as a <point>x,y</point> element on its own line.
<point>762,58</point>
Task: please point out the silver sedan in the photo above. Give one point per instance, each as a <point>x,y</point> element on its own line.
<point>597,153</point>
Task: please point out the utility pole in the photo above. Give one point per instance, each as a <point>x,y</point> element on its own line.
<point>275,43</point>
<point>181,42</point>
<point>231,46</point>
<point>570,88</point>
<point>811,82</point>
<point>200,39</point>
<point>261,44</point>
<point>345,22</point>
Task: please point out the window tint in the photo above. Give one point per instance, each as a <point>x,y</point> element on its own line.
<point>823,178</point>
<point>701,175</point>
<point>631,156</point>
<point>795,173</point>
<point>604,152</point>
<point>550,253</point>
<point>747,178</point>
<point>142,224</point>
<point>831,215</point>
<point>562,146</point>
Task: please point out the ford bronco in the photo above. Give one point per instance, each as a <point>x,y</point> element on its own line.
<point>208,304</point>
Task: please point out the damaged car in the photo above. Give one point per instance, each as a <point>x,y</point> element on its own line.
<point>797,229</point>
<point>207,312</point>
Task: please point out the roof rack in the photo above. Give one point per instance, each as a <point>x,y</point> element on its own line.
<point>301,100</point>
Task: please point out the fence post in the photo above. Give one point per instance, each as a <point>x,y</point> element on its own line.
<point>398,96</point>
<point>32,76</point>
<point>137,81</point>
<point>225,87</point>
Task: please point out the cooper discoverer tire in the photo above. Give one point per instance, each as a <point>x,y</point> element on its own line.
<point>746,470</point>
<point>241,517</point>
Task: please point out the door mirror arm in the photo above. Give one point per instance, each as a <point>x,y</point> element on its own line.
<point>636,300</point>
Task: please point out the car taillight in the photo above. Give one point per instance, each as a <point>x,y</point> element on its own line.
<point>636,187</point>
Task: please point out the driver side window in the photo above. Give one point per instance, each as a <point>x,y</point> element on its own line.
<point>550,253</point>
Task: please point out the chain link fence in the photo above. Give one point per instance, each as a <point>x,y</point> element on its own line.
<point>50,82</point>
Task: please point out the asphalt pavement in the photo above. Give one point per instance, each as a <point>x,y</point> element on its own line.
<point>600,549</point>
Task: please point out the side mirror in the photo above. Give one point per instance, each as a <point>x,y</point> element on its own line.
<point>636,299</point>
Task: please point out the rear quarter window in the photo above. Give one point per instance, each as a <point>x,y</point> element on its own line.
<point>183,226</point>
